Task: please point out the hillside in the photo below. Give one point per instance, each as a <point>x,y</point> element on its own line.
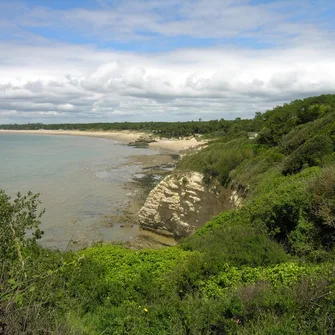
<point>266,267</point>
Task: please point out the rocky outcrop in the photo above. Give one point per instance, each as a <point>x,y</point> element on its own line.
<point>238,194</point>
<point>235,199</point>
<point>143,141</point>
<point>181,203</point>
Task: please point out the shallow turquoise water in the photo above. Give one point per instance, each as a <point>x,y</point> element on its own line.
<point>81,181</point>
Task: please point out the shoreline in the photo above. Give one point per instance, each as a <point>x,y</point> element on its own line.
<point>157,164</point>
<point>122,136</point>
<point>154,169</point>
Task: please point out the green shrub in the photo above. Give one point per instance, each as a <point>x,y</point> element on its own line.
<point>230,238</point>
<point>276,123</point>
<point>281,205</point>
<point>300,134</point>
<point>309,154</point>
<point>253,171</point>
<point>16,218</point>
<point>218,159</point>
<point>322,207</point>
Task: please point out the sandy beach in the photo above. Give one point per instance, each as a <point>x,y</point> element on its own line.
<point>173,145</point>
<point>176,145</point>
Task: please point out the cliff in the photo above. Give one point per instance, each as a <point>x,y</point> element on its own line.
<point>181,203</point>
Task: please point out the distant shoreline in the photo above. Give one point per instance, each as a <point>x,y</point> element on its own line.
<point>122,136</point>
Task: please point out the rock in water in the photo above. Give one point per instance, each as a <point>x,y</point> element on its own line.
<point>181,203</point>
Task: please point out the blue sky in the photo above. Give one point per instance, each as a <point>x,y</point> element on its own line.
<point>64,21</point>
<point>129,60</point>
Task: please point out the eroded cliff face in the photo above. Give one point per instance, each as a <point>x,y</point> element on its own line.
<point>238,194</point>
<point>181,203</point>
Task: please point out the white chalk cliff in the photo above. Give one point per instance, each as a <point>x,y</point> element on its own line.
<point>181,203</point>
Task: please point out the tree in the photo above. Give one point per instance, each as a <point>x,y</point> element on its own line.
<point>18,219</point>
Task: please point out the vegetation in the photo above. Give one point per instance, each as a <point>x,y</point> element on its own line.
<point>265,268</point>
<point>164,129</point>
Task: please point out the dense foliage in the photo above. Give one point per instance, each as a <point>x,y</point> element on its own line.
<point>165,129</point>
<point>264,268</point>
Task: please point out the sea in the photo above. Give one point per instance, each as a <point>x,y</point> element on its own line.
<point>81,180</point>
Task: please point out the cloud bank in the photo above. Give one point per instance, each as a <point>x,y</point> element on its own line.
<point>213,59</point>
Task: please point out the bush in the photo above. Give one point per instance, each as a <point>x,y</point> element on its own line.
<point>281,205</point>
<point>16,218</point>
<point>300,134</point>
<point>230,238</point>
<point>218,159</point>
<point>309,154</point>
<point>253,171</point>
<point>322,207</point>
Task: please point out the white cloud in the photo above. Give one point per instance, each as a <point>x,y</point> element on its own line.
<point>114,86</point>
<point>45,80</point>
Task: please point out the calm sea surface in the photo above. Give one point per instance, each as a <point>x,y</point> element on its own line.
<point>81,181</point>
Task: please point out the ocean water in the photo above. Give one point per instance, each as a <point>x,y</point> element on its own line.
<point>81,181</point>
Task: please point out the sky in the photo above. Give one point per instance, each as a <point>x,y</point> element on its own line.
<point>161,60</point>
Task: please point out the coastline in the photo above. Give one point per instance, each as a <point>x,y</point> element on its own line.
<point>157,165</point>
<point>123,136</point>
<point>154,169</point>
